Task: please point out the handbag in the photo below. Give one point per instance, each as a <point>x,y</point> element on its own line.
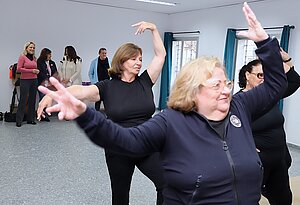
<point>10,117</point>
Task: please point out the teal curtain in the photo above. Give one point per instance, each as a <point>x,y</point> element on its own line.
<point>166,72</point>
<point>229,53</point>
<point>284,44</point>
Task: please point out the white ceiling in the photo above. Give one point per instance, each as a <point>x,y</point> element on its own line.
<point>181,5</point>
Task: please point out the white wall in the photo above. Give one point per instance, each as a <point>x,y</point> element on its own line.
<point>213,24</point>
<point>57,23</point>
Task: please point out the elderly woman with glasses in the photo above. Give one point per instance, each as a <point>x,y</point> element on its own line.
<point>204,137</point>
<point>268,132</point>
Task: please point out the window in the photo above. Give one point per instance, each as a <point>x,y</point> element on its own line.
<point>246,53</point>
<point>184,49</point>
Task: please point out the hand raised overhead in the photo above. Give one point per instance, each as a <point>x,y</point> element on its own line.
<point>142,26</point>
<point>255,31</point>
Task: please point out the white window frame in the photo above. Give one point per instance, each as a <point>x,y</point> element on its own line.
<point>176,66</point>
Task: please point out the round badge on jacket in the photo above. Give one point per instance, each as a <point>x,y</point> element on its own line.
<point>235,121</point>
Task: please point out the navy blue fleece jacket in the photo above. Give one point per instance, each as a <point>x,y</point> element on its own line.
<point>200,166</point>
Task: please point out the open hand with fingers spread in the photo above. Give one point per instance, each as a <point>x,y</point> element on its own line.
<point>68,107</point>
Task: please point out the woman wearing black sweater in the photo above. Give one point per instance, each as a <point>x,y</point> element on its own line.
<point>269,135</point>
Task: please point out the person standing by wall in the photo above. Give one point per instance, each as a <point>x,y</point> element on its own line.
<point>99,70</point>
<point>70,68</point>
<point>27,66</point>
<point>47,68</point>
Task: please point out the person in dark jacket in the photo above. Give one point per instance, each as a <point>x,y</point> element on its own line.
<point>269,135</point>
<point>47,68</point>
<point>204,137</point>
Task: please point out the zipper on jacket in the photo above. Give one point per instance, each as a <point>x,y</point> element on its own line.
<point>225,148</point>
<point>197,185</point>
<point>231,163</point>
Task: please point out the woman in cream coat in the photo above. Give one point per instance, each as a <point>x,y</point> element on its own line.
<point>70,68</point>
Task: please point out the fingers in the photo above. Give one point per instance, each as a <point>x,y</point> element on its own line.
<point>40,115</point>
<point>249,11</point>
<point>142,26</point>
<point>137,24</point>
<point>57,108</point>
<point>56,84</point>
<point>249,14</point>
<point>61,115</point>
<point>255,31</point>
<point>139,29</point>
<point>40,112</point>
<point>243,34</point>
<point>54,108</point>
<point>43,89</point>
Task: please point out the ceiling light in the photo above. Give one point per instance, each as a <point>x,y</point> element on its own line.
<point>158,2</point>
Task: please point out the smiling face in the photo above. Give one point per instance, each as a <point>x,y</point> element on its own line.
<point>213,98</point>
<point>30,48</point>
<point>103,54</point>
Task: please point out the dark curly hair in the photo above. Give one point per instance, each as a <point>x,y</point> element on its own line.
<point>242,74</point>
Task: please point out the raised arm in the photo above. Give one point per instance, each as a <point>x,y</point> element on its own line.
<point>264,96</point>
<point>255,31</point>
<point>155,67</point>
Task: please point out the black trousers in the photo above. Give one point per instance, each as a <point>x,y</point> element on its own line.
<point>276,185</point>
<point>121,169</point>
<point>28,89</point>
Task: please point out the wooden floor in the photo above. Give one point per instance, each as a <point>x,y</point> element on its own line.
<point>295,184</point>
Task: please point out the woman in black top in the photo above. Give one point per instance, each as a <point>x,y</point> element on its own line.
<point>128,101</point>
<point>269,135</point>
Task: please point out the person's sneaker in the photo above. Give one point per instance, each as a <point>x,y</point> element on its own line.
<point>18,124</point>
<point>31,122</point>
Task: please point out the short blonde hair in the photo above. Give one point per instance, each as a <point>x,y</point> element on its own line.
<point>24,52</point>
<point>190,78</point>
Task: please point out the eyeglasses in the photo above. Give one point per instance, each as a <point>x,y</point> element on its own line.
<point>259,75</point>
<point>218,84</point>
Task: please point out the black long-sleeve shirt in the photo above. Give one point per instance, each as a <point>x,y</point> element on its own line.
<point>268,130</point>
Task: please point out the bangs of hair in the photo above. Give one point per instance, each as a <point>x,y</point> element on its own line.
<point>125,52</point>
<point>190,78</point>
